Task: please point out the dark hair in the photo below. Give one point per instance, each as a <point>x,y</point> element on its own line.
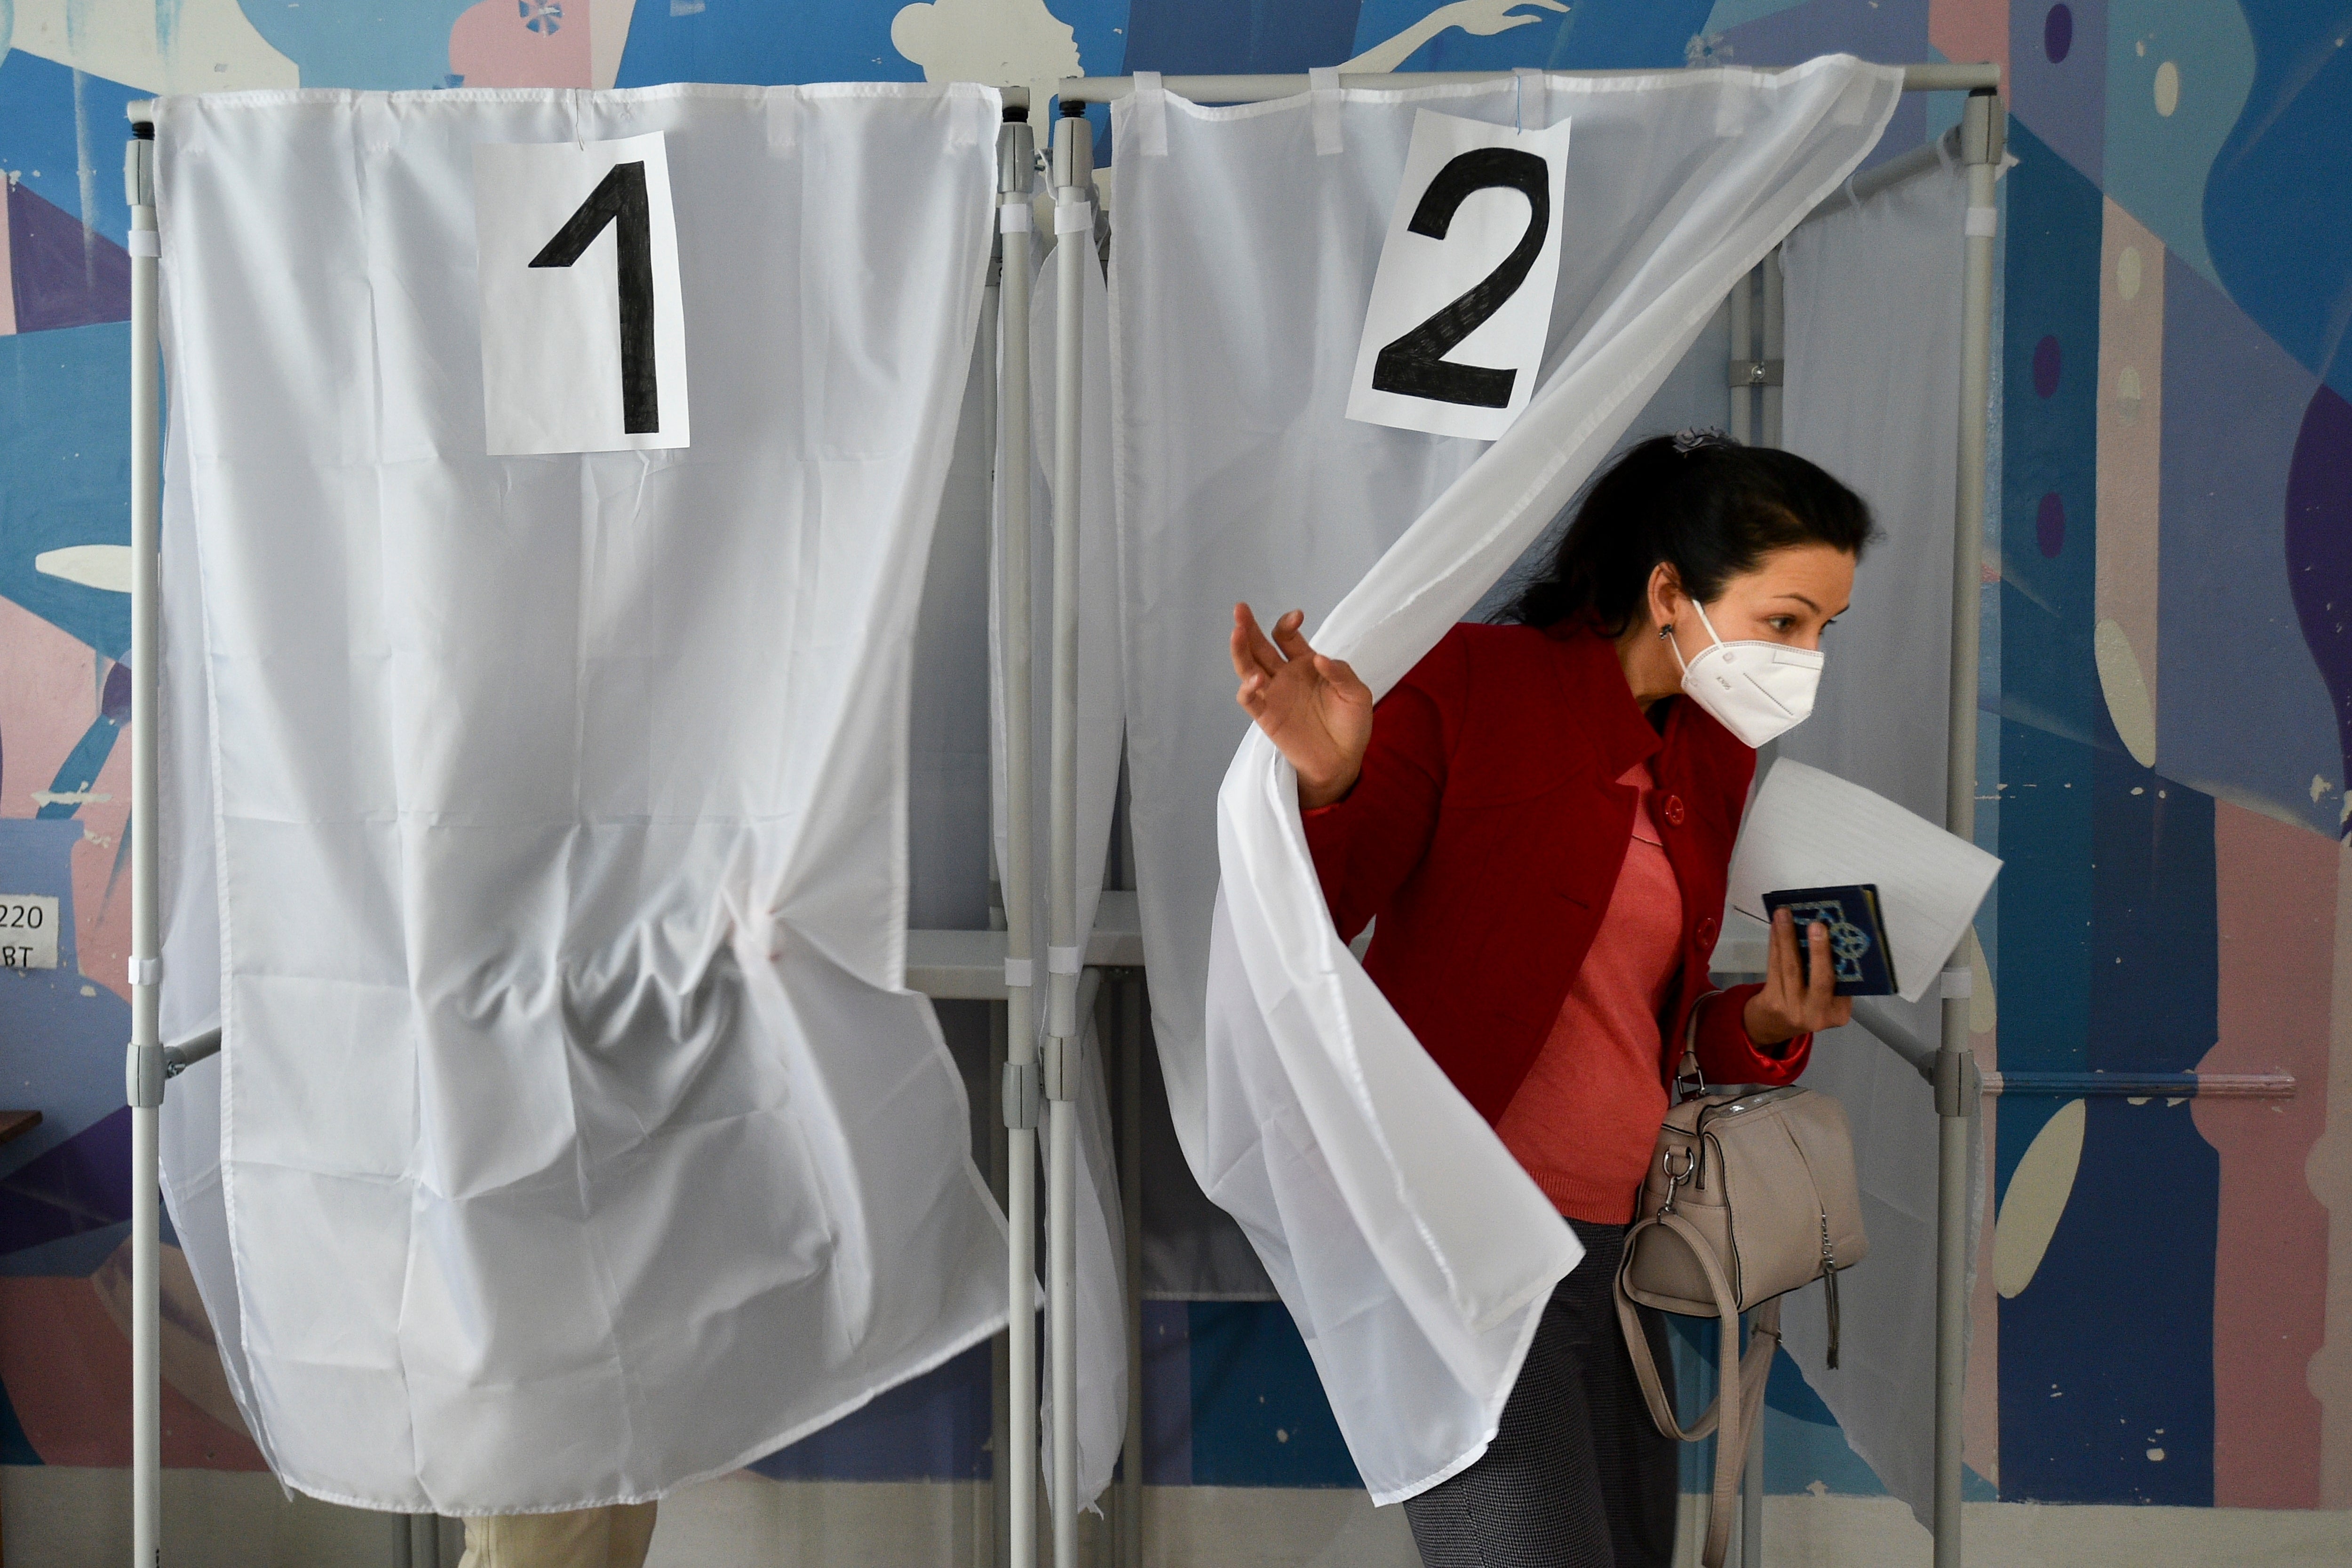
<point>1701,502</point>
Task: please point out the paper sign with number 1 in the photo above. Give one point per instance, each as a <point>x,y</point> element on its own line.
<point>584,337</point>
<point>1453,338</point>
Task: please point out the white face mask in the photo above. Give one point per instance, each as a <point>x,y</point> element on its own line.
<point>1755,690</point>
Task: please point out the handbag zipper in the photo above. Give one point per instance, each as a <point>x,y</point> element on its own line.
<point>1829,1252</point>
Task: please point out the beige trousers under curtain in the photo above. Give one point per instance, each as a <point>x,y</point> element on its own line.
<point>611,1537</point>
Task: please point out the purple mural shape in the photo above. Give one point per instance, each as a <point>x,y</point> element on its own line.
<point>83,1184</point>
<point>2319,548</point>
<point>2046,367</point>
<point>2050,525</point>
<point>2057,34</point>
<point>114,696</point>
<point>63,277</point>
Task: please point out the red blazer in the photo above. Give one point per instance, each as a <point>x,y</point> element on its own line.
<point>1486,833</point>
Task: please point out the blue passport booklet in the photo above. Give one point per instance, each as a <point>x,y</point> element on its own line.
<point>1859,958</point>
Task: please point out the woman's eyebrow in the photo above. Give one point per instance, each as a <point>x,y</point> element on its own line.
<point>1802,600</point>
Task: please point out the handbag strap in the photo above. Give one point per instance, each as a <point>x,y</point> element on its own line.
<point>1688,1081</point>
<point>1739,1379</point>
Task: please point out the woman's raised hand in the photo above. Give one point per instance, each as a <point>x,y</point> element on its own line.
<point>1313,708</point>
<point>1799,994</point>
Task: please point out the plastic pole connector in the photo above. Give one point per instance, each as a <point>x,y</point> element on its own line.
<point>139,172</point>
<point>1024,1096</point>
<point>1059,1060</point>
<point>1960,1085</point>
<point>143,1072</point>
<point>1984,128</point>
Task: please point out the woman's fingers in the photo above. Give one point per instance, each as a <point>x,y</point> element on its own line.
<point>1254,642</point>
<point>1821,1000</point>
<point>1782,970</point>
<point>1290,639</point>
<point>1244,664</point>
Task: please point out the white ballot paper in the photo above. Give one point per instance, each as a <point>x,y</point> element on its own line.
<point>1453,336</point>
<point>1812,829</point>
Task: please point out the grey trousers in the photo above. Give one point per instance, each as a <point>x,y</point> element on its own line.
<point>1576,1476</point>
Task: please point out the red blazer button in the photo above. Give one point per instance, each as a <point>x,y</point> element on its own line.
<point>1674,810</point>
<point>1707,930</point>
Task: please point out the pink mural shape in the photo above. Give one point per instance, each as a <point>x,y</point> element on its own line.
<point>101,876</point>
<point>522,43</point>
<point>1971,30</point>
<point>67,1365</point>
<point>46,703</point>
<point>2274,901</point>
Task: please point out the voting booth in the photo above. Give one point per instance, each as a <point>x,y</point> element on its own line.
<point>471,989</point>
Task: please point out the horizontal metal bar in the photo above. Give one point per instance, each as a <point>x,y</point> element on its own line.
<point>2145,1085</point>
<point>969,966</point>
<point>1931,78</point>
<point>1894,170</point>
<point>142,111</point>
<point>1860,188</point>
<point>178,1059</point>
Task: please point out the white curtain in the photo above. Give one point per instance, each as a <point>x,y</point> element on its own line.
<point>537,825</point>
<point>1413,1250</point>
<point>1101,1235</point>
<point>1873,395</point>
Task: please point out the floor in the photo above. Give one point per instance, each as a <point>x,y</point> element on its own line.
<point>62,1517</point>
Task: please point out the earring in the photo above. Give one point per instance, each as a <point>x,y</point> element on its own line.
<point>1665,631</point>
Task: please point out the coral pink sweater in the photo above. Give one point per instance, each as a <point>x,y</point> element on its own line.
<point>1586,1116</point>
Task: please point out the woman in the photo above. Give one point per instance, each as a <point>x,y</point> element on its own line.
<point>1540,817</point>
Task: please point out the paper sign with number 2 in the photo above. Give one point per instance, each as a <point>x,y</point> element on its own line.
<point>1453,338</point>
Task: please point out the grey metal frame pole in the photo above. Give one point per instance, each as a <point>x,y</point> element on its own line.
<point>144,1070</point>
<point>1016,155</point>
<point>1774,347</point>
<point>1937,76</point>
<point>1074,250</point>
<point>1131,1003</point>
<point>1743,351</point>
<point>992,1545</point>
<point>1958,1092</point>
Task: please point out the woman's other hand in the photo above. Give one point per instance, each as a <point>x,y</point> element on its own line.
<point>1313,708</point>
<point>1798,996</point>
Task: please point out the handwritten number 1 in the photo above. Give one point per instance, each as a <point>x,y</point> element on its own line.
<point>1415,365</point>
<point>619,198</point>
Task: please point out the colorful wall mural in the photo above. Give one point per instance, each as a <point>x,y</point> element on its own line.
<point>2165,1311</point>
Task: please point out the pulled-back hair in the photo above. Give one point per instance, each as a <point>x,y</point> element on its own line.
<point>1704,504</point>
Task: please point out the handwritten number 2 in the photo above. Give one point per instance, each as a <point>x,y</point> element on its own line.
<point>1415,365</point>
<point>619,198</point>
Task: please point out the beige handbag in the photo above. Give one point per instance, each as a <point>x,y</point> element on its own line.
<point>1751,1195</point>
